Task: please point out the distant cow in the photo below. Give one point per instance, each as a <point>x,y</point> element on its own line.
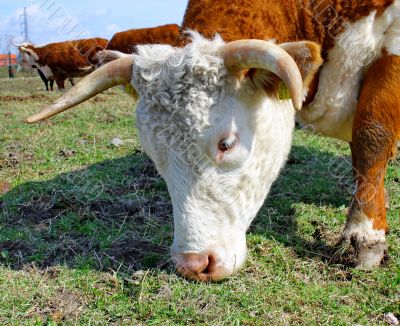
<point>66,59</point>
<point>127,41</point>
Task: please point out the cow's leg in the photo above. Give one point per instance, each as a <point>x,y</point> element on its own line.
<point>59,83</point>
<point>44,79</point>
<point>51,84</point>
<point>376,130</point>
<point>71,80</point>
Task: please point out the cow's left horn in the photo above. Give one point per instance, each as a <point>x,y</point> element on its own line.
<point>17,44</point>
<point>246,54</point>
<point>118,72</point>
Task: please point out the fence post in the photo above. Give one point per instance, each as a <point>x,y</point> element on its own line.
<point>11,68</point>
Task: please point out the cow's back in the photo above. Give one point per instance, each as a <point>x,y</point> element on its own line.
<point>284,21</point>
<point>126,41</point>
<point>89,47</point>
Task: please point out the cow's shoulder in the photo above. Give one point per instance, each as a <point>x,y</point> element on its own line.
<point>361,42</point>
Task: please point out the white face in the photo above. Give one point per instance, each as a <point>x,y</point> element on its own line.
<point>28,57</point>
<point>219,144</point>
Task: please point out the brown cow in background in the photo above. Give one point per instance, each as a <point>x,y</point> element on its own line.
<point>65,59</point>
<point>125,42</point>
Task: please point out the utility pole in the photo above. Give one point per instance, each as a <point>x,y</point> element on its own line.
<point>11,67</point>
<point>24,24</point>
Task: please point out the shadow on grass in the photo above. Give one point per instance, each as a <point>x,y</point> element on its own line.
<point>112,215</point>
<point>117,215</point>
<point>317,179</point>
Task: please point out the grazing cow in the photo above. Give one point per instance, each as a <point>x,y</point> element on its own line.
<point>209,117</point>
<point>127,41</point>
<point>66,59</point>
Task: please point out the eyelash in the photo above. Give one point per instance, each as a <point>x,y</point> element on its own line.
<point>227,144</point>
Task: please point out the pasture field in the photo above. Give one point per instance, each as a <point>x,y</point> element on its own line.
<point>4,73</point>
<point>85,230</point>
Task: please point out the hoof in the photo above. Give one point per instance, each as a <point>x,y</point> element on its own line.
<point>370,254</point>
<point>359,253</point>
<point>365,245</point>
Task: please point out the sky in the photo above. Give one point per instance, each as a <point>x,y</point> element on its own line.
<point>59,20</point>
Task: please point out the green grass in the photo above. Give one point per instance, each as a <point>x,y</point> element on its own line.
<point>4,73</point>
<point>85,230</point>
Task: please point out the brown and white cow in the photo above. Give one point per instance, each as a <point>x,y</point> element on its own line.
<point>126,41</point>
<point>210,119</point>
<point>68,59</point>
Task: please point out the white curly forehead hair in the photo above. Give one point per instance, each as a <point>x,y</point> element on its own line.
<point>178,86</point>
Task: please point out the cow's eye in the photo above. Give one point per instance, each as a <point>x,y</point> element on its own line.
<point>227,144</point>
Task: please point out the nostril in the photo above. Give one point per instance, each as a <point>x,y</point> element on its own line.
<point>191,264</point>
<point>201,267</point>
<point>211,264</point>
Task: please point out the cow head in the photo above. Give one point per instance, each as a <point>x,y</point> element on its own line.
<point>210,119</point>
<point>28,56</point>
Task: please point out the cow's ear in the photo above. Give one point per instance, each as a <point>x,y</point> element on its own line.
<point>24,49</point>
<point>30,53</point>
<point>27,51</point>
<point>307,56</point>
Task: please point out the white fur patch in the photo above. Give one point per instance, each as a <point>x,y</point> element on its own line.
<point>46,71</point>
<point>332,111</point>
<point>361,227</point>
<point>392,39</point>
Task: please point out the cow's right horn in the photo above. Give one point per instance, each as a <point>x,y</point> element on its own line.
<point>118,72</point>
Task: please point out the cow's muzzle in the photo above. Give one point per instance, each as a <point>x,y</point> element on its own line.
<point>201,267</point>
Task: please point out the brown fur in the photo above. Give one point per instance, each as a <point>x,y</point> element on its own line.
<point>126,41</point>
<point>285,20</point>
<point>319,21</point>
<point>375,132</point>
<point>65,58</point>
